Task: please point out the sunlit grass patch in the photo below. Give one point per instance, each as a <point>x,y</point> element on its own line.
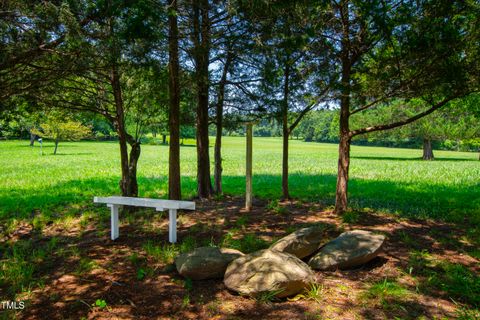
<point>314,291</point>
<point>19,263</point>
<point>85,265</point>
<point>388,293</point>
<point>247,243</point>
<point>455,280</point>
<point>165,253</point>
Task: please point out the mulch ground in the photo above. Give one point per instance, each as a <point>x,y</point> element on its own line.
<point>163,294</point>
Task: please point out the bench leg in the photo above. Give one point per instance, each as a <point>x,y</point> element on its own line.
<point>172,225</point>
<point>114,230</point>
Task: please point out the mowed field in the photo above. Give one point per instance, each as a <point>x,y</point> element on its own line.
<point>383,179</point>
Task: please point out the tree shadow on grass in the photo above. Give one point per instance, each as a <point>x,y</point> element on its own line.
<point>411,159</point>
<point>418,200</point>
<point>59,153</point>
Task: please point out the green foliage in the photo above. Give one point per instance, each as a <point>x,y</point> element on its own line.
<point>268,297</point>
<point>19,263</point>
<point>247,244</point>
<point>241,221</point>
<point>275,206</point>
<point>313,292</point>
<point>455,280</point>
<point>59,129</point>
<point>464,313</point>
<point>100,303</point>
<point>85,265</point>
<point>162,253</point>
<point>386,292</point>
<point>350,217</point>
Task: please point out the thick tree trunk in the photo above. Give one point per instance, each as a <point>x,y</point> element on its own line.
<point>285,132</point>
<point>204,188</point>
<point>56,146</point>
<point>202,56</point>
<point>427,149</point>
<point>341,197</point>
<point>219,123</point>
<point>174,183</point>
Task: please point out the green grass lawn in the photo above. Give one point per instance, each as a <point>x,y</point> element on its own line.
<point>386,179</point>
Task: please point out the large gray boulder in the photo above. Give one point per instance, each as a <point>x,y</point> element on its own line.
<point>301,243</point>
<point>268,271</point>
<point>350,249</point>
<point>205,262</point>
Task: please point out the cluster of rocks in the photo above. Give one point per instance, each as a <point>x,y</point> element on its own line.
<point>280,269</point>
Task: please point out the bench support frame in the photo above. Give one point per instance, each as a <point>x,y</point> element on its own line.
<point>114,223</point>
<point>116,202</point>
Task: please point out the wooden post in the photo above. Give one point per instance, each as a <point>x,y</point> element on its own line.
<point>248,174</point>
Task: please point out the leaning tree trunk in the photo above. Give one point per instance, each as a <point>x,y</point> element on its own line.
<point>56,147</point>
<point>427,149</point>
<point>174,182</point>
<point>119,121</point>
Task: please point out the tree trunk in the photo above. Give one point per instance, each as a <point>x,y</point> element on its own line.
<point>174,182</point>
<point>285,133</point>
<point>341,201</point>
<point>427,149</point>
<point>341,197</point>
<point>248,173</point>
<point>202,56</point>
<point>218,153</point>
<point>218,138</point>
<point>132,187</point>
<point>164,138</point>
<point>285,193</point>
<point>56,147</point>
<point>125,184</point>
<point>32,139</point>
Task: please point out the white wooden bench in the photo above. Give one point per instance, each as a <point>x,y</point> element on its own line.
<point>116,202</point>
